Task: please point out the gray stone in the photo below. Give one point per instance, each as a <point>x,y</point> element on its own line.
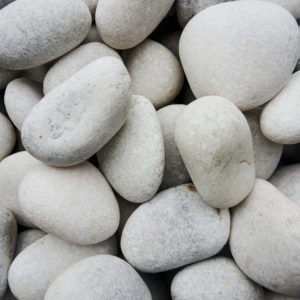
<point>6,76</point>
<point>28,237</point>
<point>133,160</point>
<point>174,229</point>
<point>265,238</point>
<point>99,277</point>
<point>216,278</point>
<point>76,119</point>
<point>38,73</point>
<point>92,36</point>
<point>36,267</point>
<point>241,50</point>
<point>171,41</point>
<point>7,137</point>
<point>222,167</point>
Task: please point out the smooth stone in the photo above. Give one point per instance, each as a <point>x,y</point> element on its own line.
<point>280,120</point>
<point>80,116</point>
<point>265,238</point>
<point>92,5</point>
<point>38,73</point>
<point>155,72</point>
<point>12,170</point>
<point>7,137</point>
<point>214,140</point>
<point>269,295</point>
<point>33,32</point>
<point>21,95</point>
<point>99,277</point>
<point>171,41</point>
<point>241,50</point>
<point>175,172</point>
<point>74,61</point>
<point>150,242</point>
<point>8,237</point>
<point>28,237</point>
<point>266,153</point>
<point>124,24</point>
<point>133,160</point>
<point>83,209</point>
<point>37,266</point>
<point>6,76</point>
<point>215,278</point>
<point>92,36</point>
<point>5,2</point>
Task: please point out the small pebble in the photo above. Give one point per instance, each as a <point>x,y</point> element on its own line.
<point>7,137</point>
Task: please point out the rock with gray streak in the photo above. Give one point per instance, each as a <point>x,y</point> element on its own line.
<point>6,76</point>
<point>171,41</point>
<point>176,219</point>
<point>139,143</point>
<point>28,237</point>
<point>92,36</point>
<point>76,119</point>
<point>214,140</point>
<point>36,267</point>
<point>99,277</point>
<point>7,137</point>
<point>21,95</point>
<point>33,32</point>
<point>215,278</point>
<point>241,50</point>
<point>155,72</point>
<point>123,24</point>
<point>265,238</point>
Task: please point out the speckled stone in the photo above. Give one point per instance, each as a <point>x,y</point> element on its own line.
<point>274,296</point>
<point>74,61</point>
<point>133,160</point>
<point>171,41</point>
<point>175,172</point>
<point>123,24</point>
<point>266,153</point>
<point>28,237</point>
<point>265,238</point>
<point>7,137</point>
<point>222,168</point>
<point>216,278</point>
<point>155,72</point>
<point>99,277</point>
<point>174,229</point>
<point>36,267</point>
<point>241,50</point>
<point>6,76</point>
<point>21,95</point>
<point>92,36</point>
<point>76,119</point>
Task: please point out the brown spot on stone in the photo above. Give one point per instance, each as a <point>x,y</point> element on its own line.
<point>191,187</point>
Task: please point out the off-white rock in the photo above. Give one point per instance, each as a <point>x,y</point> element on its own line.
<point>28,237</point>
<point>171,41</point>
<point>77,118</point>
<point>155,72</point>
<point>93,35</point>
<point>8,236</point>
<point>274,296</point>
<point>123,24</point>
<point>175,172</point>
<point>242,50</point>
<point>214,140</point>
<point>7,137</point>
<point>33,32</point>
<point>266,153</point>
<point>216,278</point>
<point>265,238</point>
<point>21,95</point>
<point>6,76</point>
<point>280,118</point>
<point>38,73</point>
<point>36,267</point>
<point>99,277</point>
<point>75,60</point>
<point>133,160</point>
<point>174,229</point>
<point>75,204</point>
<point>12,170</point>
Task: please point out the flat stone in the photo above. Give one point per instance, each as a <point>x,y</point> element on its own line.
<point>7,137</point>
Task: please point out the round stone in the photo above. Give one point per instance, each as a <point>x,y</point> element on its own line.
<point>7,137</point>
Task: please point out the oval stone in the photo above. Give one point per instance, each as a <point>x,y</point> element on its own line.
<point>7,137</point>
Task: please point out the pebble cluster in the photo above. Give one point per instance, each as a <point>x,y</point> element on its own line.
<point>149,149</point>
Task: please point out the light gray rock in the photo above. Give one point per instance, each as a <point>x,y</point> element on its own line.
<point>92,5</point>
<point>7,137</point>
<point>133,160</point>
<point>26,238</point>
<point>21,95</point>
<point>92,36</point>
<point>74,61</point>
<point>266,153</point>
<point>214,140</point>
<point>280,120</point>
<point>75,204</point>
<point>12,170</point>
<point>157,286</point>
<point>155,72</point>
<point>76,119</point>
<point>174,229</point>
<point>123,24</point>
<point>36,267</point>
<point>33,32</point>
<point>175,172</point>
<point>215,278</point>
<point>265,238</point>
<point>242,50</point>
<point>171,41</point>
<point>99,277</point>
<point>38,73</point>
<point>6,76</point>
<point>274,296</point>
<point>8,237</point>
